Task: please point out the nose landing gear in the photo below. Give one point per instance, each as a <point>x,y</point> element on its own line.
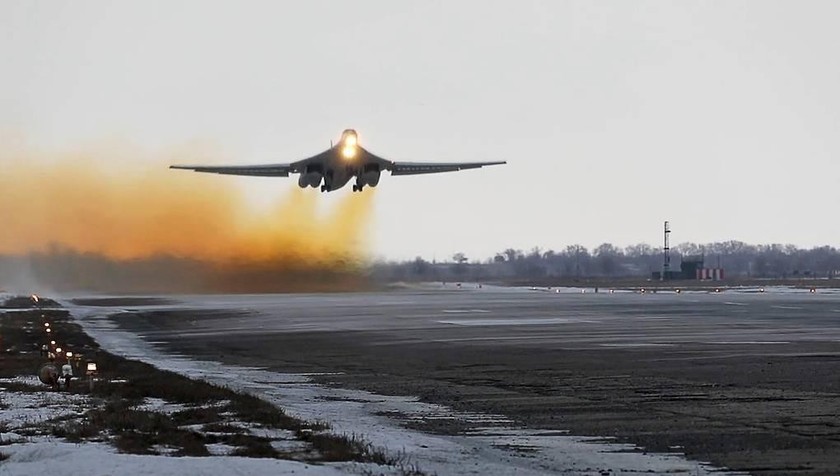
<point>358,188</point>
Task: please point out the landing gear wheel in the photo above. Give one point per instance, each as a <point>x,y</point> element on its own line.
<point>355,188</point>
<point>325,188</point>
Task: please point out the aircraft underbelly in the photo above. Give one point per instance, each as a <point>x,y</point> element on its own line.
<point>338,177</point>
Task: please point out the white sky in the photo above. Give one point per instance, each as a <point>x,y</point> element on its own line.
<point>721,116</point>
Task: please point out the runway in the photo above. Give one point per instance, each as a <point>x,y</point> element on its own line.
<point>746,380</point>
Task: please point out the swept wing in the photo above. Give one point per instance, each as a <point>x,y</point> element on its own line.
<point>265,170</point>
<point>416,168</point>
<point>261,170</point>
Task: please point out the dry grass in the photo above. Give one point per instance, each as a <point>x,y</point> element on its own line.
<point>196,416</point>
<point>75,432</point>
<point>4,429</point>
<point>345,448</point>
<point>251,409</point>
<point>136,443</point>
<point>251,446</point>
<point>117,417</point>
<point>25,302</point>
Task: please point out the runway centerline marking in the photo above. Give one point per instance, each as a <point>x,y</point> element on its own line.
<point>465,311</point>
<point>794,308</point>
<point>633,344</point>
<point>729,303</point>
<point>749,342</point>
<point>512,322</point>
<point>498,338</point>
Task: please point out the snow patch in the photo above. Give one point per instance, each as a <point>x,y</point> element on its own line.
<point>98,459</point>
<point>159,405</point>
<point>29,409</point>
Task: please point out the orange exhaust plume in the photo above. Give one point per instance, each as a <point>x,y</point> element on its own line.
<point>125,206</point>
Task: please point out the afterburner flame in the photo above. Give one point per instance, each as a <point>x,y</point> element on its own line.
<point>350,138</point>
<point>348,152</point>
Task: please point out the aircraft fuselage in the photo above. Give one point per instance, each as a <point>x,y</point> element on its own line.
<point>342,163</point>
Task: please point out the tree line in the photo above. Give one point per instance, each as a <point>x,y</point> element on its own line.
<point>738,259</point>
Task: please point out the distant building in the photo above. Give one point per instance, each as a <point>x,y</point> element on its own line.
<point>691,267</point>
<point>714,274</point>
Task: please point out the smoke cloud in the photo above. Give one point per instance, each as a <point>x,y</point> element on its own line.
<point>115,217</point>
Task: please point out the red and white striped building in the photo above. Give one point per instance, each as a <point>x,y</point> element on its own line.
<point>711,274</point>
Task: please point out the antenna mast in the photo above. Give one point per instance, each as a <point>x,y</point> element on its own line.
<point>666,254</point>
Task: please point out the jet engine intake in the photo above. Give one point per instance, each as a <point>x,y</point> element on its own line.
<point>310,179</point>
<point>369,176</point>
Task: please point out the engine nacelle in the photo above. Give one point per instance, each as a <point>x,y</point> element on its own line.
<point>310,179</point>
<point>369,176</point>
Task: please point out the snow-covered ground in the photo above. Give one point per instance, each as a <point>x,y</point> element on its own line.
<point>51,456</point>
<point>494,446</point>
<point>25,409</point>
<point>26,418</point>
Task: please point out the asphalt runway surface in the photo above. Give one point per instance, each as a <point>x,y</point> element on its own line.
<point>749,381</point>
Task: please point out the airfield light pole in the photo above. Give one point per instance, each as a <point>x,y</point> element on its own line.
<point>666,254</point>
<point>91,373</point>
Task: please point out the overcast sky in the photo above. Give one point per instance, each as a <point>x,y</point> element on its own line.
<point>721,116</point>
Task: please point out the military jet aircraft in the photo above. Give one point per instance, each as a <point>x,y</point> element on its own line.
<point>336,166</point>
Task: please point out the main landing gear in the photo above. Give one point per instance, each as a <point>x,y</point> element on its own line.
<point>326,188</point>
<point>358,188</point>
